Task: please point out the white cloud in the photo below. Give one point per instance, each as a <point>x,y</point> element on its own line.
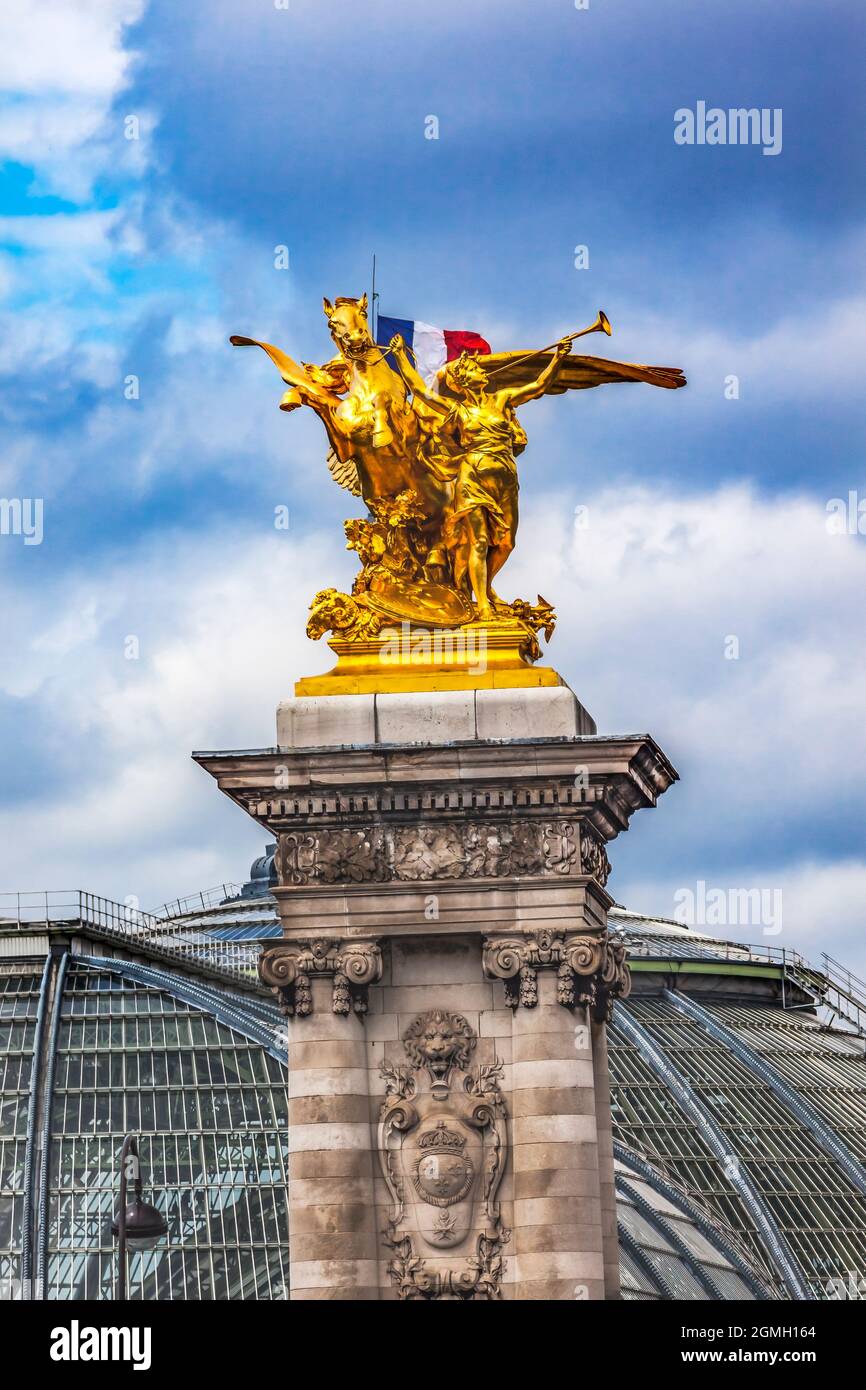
<point>817,353</point>
<point>219,620</point>
<point>76,626</point>
<point>52,46</point>
<point>63,234</point>
<point>651,590</point>
<point>810,907</point>
<point>823,909</point>
<point>62,67</point>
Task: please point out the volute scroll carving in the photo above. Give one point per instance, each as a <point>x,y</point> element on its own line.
<point>591,971</point>
<point>352,966</point>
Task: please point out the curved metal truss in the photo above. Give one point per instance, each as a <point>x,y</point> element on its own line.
<point>780,1252</point>
<point>233,1014</point>
<point>700,1219</point>
<point>797,1104</point>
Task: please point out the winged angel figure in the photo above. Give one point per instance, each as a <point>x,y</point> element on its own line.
<point>435,467</point>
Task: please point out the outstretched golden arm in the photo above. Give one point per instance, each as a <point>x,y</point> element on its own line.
<point>421,392</point>
<point>519,395</point>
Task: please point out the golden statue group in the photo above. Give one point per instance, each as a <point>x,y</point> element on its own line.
<point>435,467</point>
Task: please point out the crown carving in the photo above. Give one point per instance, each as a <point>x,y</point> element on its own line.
<point>442,1138</point>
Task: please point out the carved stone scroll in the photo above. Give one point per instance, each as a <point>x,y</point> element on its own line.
<point>593,857</point>
<point>353,965</point>
<point>591,970</point>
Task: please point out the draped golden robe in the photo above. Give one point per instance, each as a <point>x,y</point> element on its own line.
<point>487,473</point>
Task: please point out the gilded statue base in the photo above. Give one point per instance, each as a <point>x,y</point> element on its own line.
<point>497,654</point>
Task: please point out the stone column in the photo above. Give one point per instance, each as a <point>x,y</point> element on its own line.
<point>333,1238</point>
<point>561,987</point>
<point>558,1235</point>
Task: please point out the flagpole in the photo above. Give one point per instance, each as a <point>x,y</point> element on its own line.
<point>374,298</point>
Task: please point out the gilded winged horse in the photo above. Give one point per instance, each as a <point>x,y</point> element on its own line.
<point>371,427</point>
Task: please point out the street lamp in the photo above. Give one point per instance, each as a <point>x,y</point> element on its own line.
<point>138,1224</point>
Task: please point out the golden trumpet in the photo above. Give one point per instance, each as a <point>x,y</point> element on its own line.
<point>601,325</point>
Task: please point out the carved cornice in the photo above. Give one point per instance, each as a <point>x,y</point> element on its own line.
<point>601,779</point>
<point>288,968</point>
<point>358,802</point>
<point>591,970</point>
<point>435,850</point>
<point>607,807</point>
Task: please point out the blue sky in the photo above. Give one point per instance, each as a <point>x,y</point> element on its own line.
<point>259,127</point>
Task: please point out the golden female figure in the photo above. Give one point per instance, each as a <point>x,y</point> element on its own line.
<point>481,522</point>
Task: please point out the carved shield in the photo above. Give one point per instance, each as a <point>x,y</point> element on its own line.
<point>442,1146</point>
<point>441,1162</point>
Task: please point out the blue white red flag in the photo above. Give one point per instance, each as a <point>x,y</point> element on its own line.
<point>432,347</point>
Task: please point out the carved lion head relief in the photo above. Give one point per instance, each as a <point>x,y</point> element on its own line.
<point>439,1040</point>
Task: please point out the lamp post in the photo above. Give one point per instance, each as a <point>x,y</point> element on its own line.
<point>139,1223</point>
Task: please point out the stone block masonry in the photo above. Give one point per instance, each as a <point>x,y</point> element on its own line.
<point>446,973</point>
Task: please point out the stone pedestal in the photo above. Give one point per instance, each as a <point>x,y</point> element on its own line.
<point>446,974</point>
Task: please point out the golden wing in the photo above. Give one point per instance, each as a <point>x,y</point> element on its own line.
<point>509,369</point>
<point>344,472</point>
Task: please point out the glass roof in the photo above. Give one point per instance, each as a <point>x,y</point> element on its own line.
<point>129,1032</point>
<point>814,1204</point>
<point>671,1241</point>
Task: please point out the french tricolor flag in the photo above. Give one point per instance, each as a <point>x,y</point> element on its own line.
<point>432,347</point>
